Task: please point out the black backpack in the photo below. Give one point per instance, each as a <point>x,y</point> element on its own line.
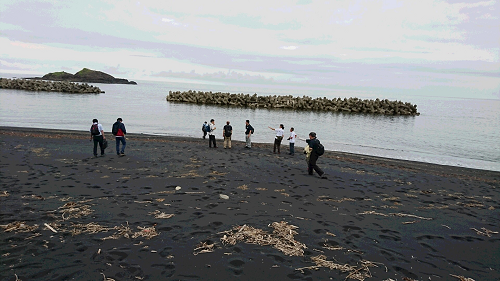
<point>320,150</point>
<point>116,126</point>
<point>94,130</point>
<point>227,130</point>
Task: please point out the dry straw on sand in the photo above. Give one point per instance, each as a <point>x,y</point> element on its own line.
<point>204,247</point>
<point>360,272</point>
<point>282,238</point>
<point>462,278</point>
<point>161,215</point>
<point>19,226</point>
<point>75,210</point>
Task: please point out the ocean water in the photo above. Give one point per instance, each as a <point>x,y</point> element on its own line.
<point>461,132</point>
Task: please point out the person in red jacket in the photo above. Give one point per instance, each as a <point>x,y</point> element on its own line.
<point>119,132</point>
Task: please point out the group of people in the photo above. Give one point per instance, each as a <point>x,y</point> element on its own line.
<point>227,132</point>
<point>313,150</point>
<point>97,135</point>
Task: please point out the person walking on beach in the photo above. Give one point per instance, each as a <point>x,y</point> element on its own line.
<point>119,132</point>
<point>204,128</point>
<point>279,137</point>
<point>227,132</point>
<point>317,150</point>
<point>291,139</point>
<point>211,134</point>
<point>97,134</point>
<point>248,133</point>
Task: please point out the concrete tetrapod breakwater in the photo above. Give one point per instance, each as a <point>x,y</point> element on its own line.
<point>48,86</point>
<point>353,105</point>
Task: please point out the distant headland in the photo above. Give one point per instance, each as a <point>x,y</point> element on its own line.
<point>85,75</point>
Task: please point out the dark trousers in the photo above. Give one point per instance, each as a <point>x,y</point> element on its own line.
<point>277,143</point>
<point>98,140</point>
<point>292,148</point>
<point>124,143</point>
<point>312,164</point>
<point>204,134</point>
<point>211,139</point>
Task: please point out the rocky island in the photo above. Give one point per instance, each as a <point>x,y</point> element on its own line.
<point>85,75</point>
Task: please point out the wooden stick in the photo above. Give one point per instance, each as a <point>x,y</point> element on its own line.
<point>50,227</point>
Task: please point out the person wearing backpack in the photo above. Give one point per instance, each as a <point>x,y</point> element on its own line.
<point>317,149</point>
<point>119,132</point>
<point>248,133</point>
<point>226,133</point>
<point>211,134</point>
<point>205,128</point>
<point>97,134</point>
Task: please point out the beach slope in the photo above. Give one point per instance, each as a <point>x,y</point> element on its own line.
<point>174,209</point>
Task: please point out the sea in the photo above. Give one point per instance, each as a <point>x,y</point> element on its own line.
<point>455,131</point>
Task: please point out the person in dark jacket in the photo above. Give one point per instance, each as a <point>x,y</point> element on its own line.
<point>205,128</point>
<point>98,136</point>
<point>248,134</point>
<point>119,132</point>
<point>313,143</point>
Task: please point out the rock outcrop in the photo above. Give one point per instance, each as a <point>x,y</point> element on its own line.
<point>352,105</point>
<point>85,75</point>
<point>48,86</point>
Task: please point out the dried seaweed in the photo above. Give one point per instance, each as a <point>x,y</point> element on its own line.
<point>146,232</point>
<point>19,226</point>
<point>462,278</point>
<point>243,187</point>
<point>90,228</point>
<point>485,232</point>
<point>122,231</point>
<point>393,214</point>
<point>360,272</point>
<point>75,210</point>
<point>326,198</point>
<point>204,247</point>
<point>161,215</point>
<point>282,238</point>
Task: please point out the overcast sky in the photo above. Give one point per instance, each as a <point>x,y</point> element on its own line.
<point>388,44</point>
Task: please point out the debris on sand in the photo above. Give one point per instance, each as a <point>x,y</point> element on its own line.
<point>19,226</point>
<point>161,215</point>
<point>484,232</point>
<point>90,228</point>
<point>75,210</point>
<point>122,231</point>
<point>462,278</point>
<point>360,272</point>
<point>393,214</point>
<point>204,247</point>
<point>126,231</point>
<point>146,232</point>
<point>282,238</point>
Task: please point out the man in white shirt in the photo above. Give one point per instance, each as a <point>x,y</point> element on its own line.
<point>292,137</point>
<point>97,134</point>
<point>211,134</point>
<point>279,137</point>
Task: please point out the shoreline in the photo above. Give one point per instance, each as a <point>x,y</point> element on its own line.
<point>172,209</point>
<point>345,156</point>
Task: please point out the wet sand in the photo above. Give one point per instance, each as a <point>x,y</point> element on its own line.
<point>157,213</point>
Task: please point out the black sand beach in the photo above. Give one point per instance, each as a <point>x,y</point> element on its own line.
<point>158,213</point>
